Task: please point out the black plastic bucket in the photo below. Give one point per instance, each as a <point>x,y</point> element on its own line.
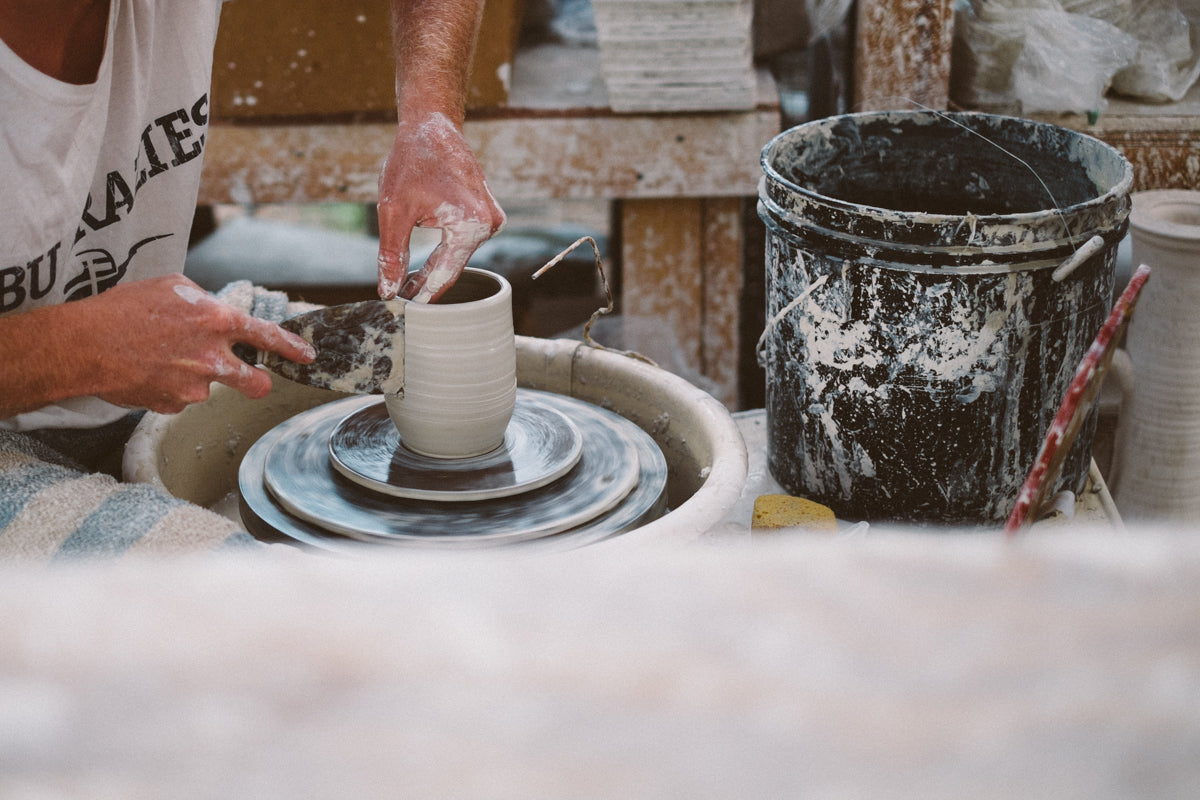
<point>917,344</point>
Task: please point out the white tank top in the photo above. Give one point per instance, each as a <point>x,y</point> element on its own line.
<point>100,181</point>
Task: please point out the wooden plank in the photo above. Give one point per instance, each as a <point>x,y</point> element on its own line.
<point>902,54</point>
<point>682,270</point>
<point>661,270</point>
<point>600,156</point>
<point>619,156</point>
<point>722,271</point>
<point>249,164</point>
<point>1162,142</point>
<point>1161,165</point>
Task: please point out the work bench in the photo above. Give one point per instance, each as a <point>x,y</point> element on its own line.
<point>678,182</point>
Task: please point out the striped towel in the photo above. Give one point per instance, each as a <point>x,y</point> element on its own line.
<point>50,512</point>
<point>59,498</point>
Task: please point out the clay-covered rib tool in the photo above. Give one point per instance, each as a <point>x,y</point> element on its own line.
<point>360,348</point>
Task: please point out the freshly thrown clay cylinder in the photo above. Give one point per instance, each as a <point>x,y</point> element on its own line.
<point>460,380</point>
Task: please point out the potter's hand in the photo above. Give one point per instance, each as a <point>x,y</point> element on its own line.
<point>169,340</point>
<point>431,179</point>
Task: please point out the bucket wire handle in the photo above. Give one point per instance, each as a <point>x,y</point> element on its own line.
<point>760,350</point>
<point>1045,187</point>
<point>603,310</point>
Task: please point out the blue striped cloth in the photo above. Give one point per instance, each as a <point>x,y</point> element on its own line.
<point>50,511</point>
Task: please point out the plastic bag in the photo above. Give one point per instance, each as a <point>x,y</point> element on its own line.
<point>1029,56</point>
<point>1068,61</point>
<point>1168,59</point>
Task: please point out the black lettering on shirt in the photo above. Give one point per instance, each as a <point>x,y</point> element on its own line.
<point>117,196</point>
<point>12,289</point>
<point>40,288</point>
<point>176,137</point>
<point>18,282</point>
<point>156,167</point>
<point>184,145</point>
<point>200,112</point>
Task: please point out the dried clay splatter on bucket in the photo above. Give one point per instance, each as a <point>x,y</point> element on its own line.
<point>876,365</point>
<point>916,380</point>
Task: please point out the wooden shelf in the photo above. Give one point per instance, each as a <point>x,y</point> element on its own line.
<point>1162,141</point>
<point>899,65</point>
<point>554,139</point>
<point>678,180</point>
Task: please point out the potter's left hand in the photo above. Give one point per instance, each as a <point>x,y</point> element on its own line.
<point>431,179</point>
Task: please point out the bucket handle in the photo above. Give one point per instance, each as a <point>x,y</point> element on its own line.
<point>760,349</point>
<point>1086,251</point>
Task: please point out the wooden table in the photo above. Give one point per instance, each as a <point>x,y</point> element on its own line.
<point>678,181</point>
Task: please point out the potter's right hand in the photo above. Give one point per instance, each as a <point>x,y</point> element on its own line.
<point>431,179</point>
<point>168,340</point>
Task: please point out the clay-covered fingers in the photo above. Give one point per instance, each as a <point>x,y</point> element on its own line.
<point>395,225</point>
<point>264,335</point>
<point>432,180</point>
<point>259,334</point>
<point>169,340</point>
<point>460,239</point>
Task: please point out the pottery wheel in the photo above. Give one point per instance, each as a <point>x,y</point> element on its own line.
<point>289,487</point>
<point>540,445</point>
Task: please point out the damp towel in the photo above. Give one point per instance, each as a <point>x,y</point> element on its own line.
<point>57,501</point>
<point>50,511</point>
<point>260,302</point>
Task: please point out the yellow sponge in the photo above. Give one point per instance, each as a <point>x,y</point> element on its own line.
<point>786,511</point>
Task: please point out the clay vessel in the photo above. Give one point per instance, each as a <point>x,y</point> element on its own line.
<point>1156,471</point>
<point>460,379</point>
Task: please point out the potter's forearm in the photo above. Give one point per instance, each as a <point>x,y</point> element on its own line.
<point>431,178</point>
<point>157,343</point>
<point>433,41</point>
<point>46,355</point>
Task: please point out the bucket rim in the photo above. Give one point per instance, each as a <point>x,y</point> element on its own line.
<point>1121,189</point>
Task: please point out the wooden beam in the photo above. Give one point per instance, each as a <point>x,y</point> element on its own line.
<point>722,253</point>
<point>1161,142</point>
<point>681,275</point>
<point>661,266</point>
<point>902,54</point>
<point>588,156</point>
